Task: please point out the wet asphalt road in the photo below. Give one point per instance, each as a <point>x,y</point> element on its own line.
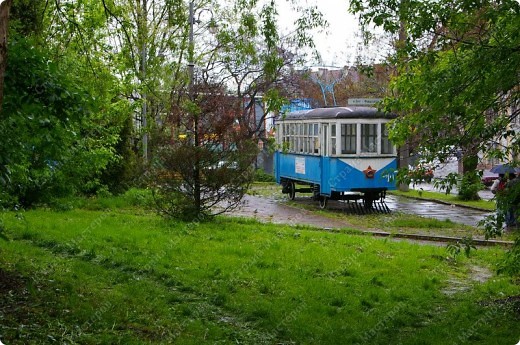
<point>269,209</point>
<point>430,209</point>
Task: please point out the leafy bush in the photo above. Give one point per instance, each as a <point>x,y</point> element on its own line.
<point>139,197</point>
<point>469,186</point>
<point>262,176</point>
<point>511,264</point>
<point>59,129</point>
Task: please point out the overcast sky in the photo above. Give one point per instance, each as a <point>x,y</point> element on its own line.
<point>337,44</point>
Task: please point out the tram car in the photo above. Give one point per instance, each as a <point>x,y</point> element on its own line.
<point>337,153</point>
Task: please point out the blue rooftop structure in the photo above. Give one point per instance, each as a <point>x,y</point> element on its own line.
<point>297,104</point>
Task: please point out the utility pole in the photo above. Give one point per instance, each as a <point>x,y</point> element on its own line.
<point>191,72</point>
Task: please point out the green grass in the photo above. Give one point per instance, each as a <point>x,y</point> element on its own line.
<point>124,276</point>
<point>267,189</point>
<point>487,205</point>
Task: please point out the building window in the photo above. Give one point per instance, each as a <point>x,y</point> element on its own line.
<point>348,138</point>
<point>369,138</point>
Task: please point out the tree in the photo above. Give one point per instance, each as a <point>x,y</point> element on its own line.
<point>62,111</point>
<point>459,77</point>
<point>203,167</point>
<point>254,61</point>
<point>57,142</point>
<point>214,110</point>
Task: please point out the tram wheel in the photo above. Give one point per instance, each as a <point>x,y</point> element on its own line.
<point>323,202</point>
<point>292,190</point>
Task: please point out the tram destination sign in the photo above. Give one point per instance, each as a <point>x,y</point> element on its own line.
<point>363,101</point>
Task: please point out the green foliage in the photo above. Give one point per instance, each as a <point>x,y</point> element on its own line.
<point>511,264</point>
<point>262,176</point>
<point>59,140</point>
<point>456,78</point>
<point>465,245</point>
<point>469,186</point>
<point>26,17</point>
<point>447,183</point>
<point>195,182</point>
<point>121,173</point>
<point>458,71</point>
<point>493,224</point>
<point>507,205</point>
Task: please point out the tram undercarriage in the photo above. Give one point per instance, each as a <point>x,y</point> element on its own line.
<point>358,200</point>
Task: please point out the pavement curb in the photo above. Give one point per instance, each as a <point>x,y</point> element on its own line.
<point>426,238</point>
<point>446,239</point>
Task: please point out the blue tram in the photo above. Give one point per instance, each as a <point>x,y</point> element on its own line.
<point>339,153</point>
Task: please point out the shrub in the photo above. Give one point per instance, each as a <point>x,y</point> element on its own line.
<point>469,186</point>
<point>262,176</point>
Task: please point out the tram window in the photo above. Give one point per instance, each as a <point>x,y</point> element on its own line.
<point>300,137</point>
<point>291,137</point>
<point>348,138</point>
<point>368,138</point>
<point>310,148</point>
<point>333,139</point>
<point>315,142</point>
<point>305,138</point>
<point>386,145</point>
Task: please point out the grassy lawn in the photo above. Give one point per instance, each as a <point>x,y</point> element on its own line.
<point>119,275</point>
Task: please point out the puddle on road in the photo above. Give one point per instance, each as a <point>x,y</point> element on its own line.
<point>435,210</point>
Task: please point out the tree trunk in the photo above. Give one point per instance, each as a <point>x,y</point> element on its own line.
<point>4,19</point>
<point>468,189</point>
<point>469,162</point>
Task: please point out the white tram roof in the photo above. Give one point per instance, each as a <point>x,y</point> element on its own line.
<point>338,113</point>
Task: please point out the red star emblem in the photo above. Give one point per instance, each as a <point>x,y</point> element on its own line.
<point>369,172</point>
